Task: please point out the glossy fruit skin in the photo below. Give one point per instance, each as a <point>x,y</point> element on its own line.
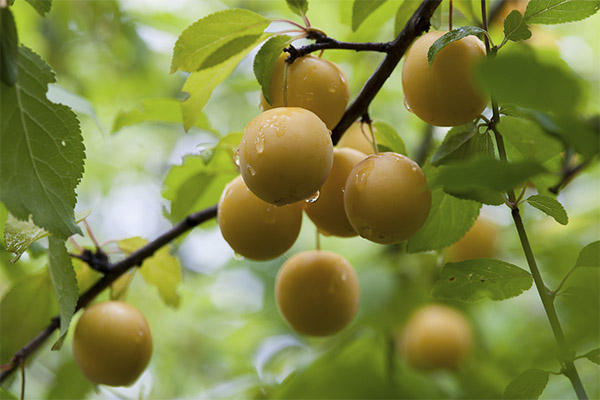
<point>328,212</point>
<point>112,344</point>
<point>387,198</point>
<point>445,94</point>
<point>357,137</point>
<point>313,83</point>
<point>317,292</point>
<point>254,228</point>
<point>478,242</point>
<point>436,337</point>
<point>285,155</point>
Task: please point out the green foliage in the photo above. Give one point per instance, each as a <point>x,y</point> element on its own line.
<point>462,143</point>
<point>474,280</point>
<point>361,9</point>
<point>265,60</point>
<point>452,36</point>
<point>9,43</point>
<point>559,11</point>
<point>589,256</point>
<point>41,6</point>
<point>387,136</point>
<point>593,356</point>
<point>528,385</point>
<point>449,219</point>
<point>550,206</point>
<point>298,7</point>
<point>529,139</point>
<point>515,28</point>
<point>79,104</point>
<point>48,135</point>
<point>405,11</point>
<point>69,383</point>
<point>63,281</point>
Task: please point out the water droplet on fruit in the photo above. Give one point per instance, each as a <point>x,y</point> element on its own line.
<point>236,157</point>
<point>238,257</point>
<point>63,143</point>
<point>259,143</point>
<point>270,216</point>
<point>251,170</point>
<point>414,168</point>
<point>361,178</point>
<point>314,197</point>
<point>406,105</point>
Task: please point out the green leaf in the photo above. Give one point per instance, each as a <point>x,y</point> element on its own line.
<point>361,9</point>
<point>452,36</point>
<point>64,281</point>
<point>158,110</point>
<point>9,48</point>
<point>559,11</point>
<point>265,59</point>
<point>60,95</point>
<point>6,395</point>
<point>216,38</point>
<point>521,79</point>
<point>529,139</point>
<point>26,308</point>
<point>69,383</point>
<point>473,280</point>
<point>41,150</point>
<point>455,139</point>
<point>405,11</point>
<point>448,220</point>
<point>298,7</point>
<point>593,356</point>
<point>162,270</point>
<point>590,256</point>
<point>200,85</point>
<point>528,385</point>
<point>550,206</point>
<point>41,6</point>
<point>515,28</point>
<point>387,136</point>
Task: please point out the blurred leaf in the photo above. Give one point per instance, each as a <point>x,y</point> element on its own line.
<point>559,11</point>
<point>221,35</point>
<point>64,281</point>
<point>265,60</point>
<point>298,7</point>
<point>473,280</point>
<point>9,48</point>
<point>42,165</point>
<point>452,36</point>
<point>589,256</point>
<point>515,28</point>
<point>196,183</point>
<point>529,139</point>
<point>405,11</point>
<point>469,9</point>
<point>521,79</point>
<point>593,356</point>
<point>158,110</point>
<point>26,308</point>
<point>58,94</point>
<point>583,137</point>
<point>69,383</point>
<point>41,6</point>
<point>448,220</point>
<point>119,288</point>
<point>7,395</point>
<point>86,276</point>
<point>388,137</point>
<point>161,270</point>
<point>528,385</point>
<point>550,206</point>
<point>361,9</point>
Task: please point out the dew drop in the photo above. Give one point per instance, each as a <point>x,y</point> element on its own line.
<point>406,105</point>
<point>236,157</point>
<point>251,170</point>
<point>270,216</point>
<point>259,143</point>
<point>314,197</point>
<point>414,168</point>
<point>63,143</point>
<point>238,257</point>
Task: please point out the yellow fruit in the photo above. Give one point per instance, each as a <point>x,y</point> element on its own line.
<point>112,344</point>
<point>317,292</point>
<point>312,83</point>
<point>478,242</point>
<point>328,212</point>
<point>445,94</point>
<point>357,137</point>
<point>254,228</point>
<point>386,198</point>
<point>285,155</point>
<point>436,337</point>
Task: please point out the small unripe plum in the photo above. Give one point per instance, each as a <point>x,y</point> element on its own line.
<point>285,155</point>
<point>328,212</point>
<point>313,83</point>
<point>357,137</point>
<point>435,337</point>
<point>478,242</point>
<point>112,344</point>
<point>254,228</point>
<point>317,292</point>
<point>445,94</point>
<point>387,198</point>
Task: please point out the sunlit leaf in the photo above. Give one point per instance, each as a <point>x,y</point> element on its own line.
<point>405,11</point>
<point>298,7</point>
<point>593,356</point>
<point>41,6</point>
<point>452,36</point>
<point>265,59</point>
<point>528,385</point>
<point>361,9</point>
<point>120,287</point>
<point>559,11</point>
<point>64,281</point>
<point>454,140</point>
<point>474,280</point>
<point>589,256</point>
<point>550,206</point>
<point>515,28</point>
<point>9,48</point>
<point>387,136</point>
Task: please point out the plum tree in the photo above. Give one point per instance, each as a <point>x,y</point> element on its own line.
<point>285,155</point>
<point>387,198</point>
<point>254,228</point>
<point>445,94</point>
<point>478,242</point>
<point>327,212</point>
<point>435,337</point>
<point>313,83</point>
<point>357,137</point>
<point>317,292</point>
<point>112,344</point>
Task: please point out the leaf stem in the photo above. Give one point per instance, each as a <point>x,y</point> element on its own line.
<point>557,290</point>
